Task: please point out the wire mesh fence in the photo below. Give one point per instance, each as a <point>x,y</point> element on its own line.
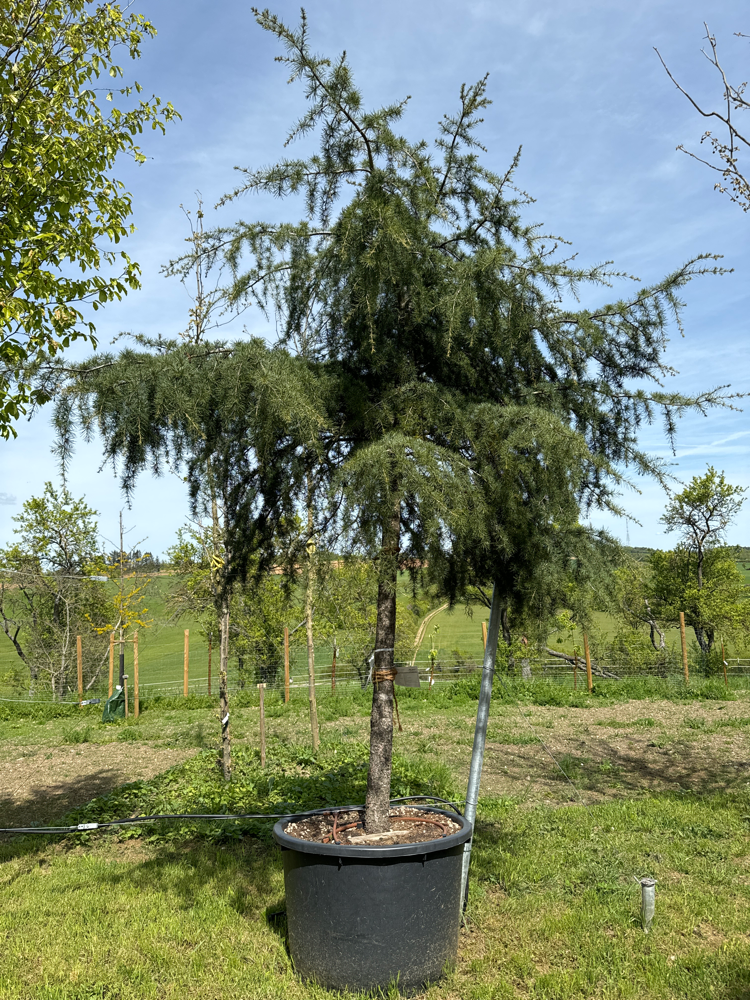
<point>173,666</point>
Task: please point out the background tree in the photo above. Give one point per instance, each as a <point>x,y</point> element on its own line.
<point>258,612</point>
<point>61,210</point>
<point>733,143</point>
<point>634,601</point>
<point>47,594</point>
<point>718,607</point>
<point>128,610</point>
<point>346,610</point>
<point>702,513</point>
<point>700,577</point>
<point>471,411</point>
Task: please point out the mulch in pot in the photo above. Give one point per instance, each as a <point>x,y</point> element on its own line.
<point>347,827</point>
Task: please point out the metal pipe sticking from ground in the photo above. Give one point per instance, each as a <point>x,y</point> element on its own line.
<point>480,736</point>
<point>648,901</point>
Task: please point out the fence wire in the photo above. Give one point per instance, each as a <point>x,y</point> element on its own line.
<point>162,672</point>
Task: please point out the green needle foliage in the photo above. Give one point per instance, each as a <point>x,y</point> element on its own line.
<point>462,409</point>
<point>474,408</point>
<point>61,210</point>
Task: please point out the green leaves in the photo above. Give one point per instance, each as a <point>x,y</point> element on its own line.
<point>704,509</point>
<point>60,210</point>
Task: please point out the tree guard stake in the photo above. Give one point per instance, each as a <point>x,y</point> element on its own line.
<point>480,736</point>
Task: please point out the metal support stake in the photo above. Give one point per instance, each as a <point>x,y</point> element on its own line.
<point>480,736</point>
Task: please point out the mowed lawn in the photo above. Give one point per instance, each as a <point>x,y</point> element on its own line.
<point>579,796</point>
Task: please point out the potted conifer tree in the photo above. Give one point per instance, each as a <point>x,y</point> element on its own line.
<point>463,415</point>
<point>469,416</point>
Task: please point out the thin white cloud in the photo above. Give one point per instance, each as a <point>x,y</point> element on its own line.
<point>711,447</point>
<point>8,499</point>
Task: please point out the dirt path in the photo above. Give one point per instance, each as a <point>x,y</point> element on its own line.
<point>42,783</point>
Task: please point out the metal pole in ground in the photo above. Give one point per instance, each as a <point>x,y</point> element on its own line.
<point>122,660</point>
<point>724,665</point>
<point>480,735</point>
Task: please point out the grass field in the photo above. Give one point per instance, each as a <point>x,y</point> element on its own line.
<point>456,635</point>
<point>580,793</point>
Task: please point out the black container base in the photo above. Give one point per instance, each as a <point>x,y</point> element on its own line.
<point>368,918</point>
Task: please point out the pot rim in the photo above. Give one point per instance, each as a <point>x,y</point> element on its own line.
<point>384,851</point>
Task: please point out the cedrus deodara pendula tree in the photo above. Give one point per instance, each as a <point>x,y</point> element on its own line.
<point>471,411</point>
<point>231,418</point>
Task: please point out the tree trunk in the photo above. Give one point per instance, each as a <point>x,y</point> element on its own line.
<point>309,593</point>
<point>226,745</point>
<point>654,629</point>
<point>504,624</point>
<point>381,717</point>
<point>705,637</point>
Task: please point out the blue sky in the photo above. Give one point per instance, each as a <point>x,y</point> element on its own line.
<point>575,82</point>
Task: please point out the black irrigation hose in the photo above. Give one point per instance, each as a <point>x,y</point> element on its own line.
<point>137,820</point>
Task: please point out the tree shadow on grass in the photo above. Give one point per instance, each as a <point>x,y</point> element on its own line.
<point>44,804</point>
<point>603,767</point>
<point>684,766</point>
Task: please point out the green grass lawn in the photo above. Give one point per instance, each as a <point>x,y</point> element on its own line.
<point>196,910</point>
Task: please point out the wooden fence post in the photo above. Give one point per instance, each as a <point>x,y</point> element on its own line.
<point>111,661</point>
<point>261,689</point>
<point>210,642</point>
<point>575,671</point>
<point>79,657</point>
<point>136,702</point>
<point>724,665</point>
<point>484,635</point>
<point>286,665</point>
<point>684,646</point>
<point>588,662</point>
<point>333,669</point>
<point>185,663</point>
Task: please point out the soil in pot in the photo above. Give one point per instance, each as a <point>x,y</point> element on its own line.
<point>346,827</point>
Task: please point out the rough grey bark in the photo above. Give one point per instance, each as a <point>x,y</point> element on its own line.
<point>381,717</point>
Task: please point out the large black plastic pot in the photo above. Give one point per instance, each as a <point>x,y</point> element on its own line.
<point>365,917</point>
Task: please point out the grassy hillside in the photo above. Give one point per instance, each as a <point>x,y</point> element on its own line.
<point>456,635</point>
